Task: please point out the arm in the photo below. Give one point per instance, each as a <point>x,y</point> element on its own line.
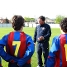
<point>54,52</point>
<point>3,54</point>
<point>48,33</point>
<point>35,35</point>
<point>29,52</point>
<point>50,60</point>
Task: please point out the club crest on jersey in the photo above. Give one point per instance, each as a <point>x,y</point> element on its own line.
<point>43,28</point>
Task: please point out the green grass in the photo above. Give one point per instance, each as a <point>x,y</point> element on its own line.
<point>30,31</point>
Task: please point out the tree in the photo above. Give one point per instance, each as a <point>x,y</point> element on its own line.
<point>32,19</point>
<point>58,19</point>
<point>27,19</point>
<point>6,20</point>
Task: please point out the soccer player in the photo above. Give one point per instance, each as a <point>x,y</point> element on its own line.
<point>58,52</point>
<point>19,46</point>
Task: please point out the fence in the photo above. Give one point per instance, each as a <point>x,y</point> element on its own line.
<point>30,25</point>
<point>34,25</point>
<point>5,25</point>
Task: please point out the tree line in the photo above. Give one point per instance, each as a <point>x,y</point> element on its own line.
<point>57,20</point>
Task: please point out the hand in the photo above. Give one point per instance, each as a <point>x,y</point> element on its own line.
<point>34,43</point>
<point>41,38</point>
<point>12,61</point>
<point>18,65</point>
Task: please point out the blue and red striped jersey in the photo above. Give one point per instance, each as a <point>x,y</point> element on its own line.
<point>19,47</point>
<point>58,52</point>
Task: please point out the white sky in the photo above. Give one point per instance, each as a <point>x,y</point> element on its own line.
<point>33,8</point>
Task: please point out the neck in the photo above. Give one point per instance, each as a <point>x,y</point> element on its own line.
<point>19,30</point>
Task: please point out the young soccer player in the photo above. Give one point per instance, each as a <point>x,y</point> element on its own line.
<point>58,52</point>
<point>19,46</point>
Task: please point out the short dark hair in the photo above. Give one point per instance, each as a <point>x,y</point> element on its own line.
<point>42,17</point>
<point>63,25</point>
<point>17,22</point>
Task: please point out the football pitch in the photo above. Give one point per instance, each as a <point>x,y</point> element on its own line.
<point>30,31</point>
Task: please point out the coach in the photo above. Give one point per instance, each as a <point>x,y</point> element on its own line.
<point>42,35</point>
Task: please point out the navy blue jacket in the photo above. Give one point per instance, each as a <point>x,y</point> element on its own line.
<point>42,30</point>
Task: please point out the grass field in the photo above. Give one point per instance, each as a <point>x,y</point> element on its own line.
<point>30,31</point>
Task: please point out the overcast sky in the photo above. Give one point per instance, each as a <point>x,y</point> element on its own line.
<point>33,8</point>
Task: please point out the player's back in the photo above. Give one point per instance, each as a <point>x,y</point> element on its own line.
<point>58,52</point>
<point>14,47</point>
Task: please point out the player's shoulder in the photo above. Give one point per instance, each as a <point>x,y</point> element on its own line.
<point>5,37</point>
<point>55,44</point>
<point>63,35</point>
<point>56,38</point>
<point>28,36</point>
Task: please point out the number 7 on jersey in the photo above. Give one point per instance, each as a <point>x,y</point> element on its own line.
<point>17,44</point>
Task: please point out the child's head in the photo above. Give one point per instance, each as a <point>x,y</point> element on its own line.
<point>63,25</point>
<point>17,22</point>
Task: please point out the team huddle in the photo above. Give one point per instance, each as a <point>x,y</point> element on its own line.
<point>20,46</point>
